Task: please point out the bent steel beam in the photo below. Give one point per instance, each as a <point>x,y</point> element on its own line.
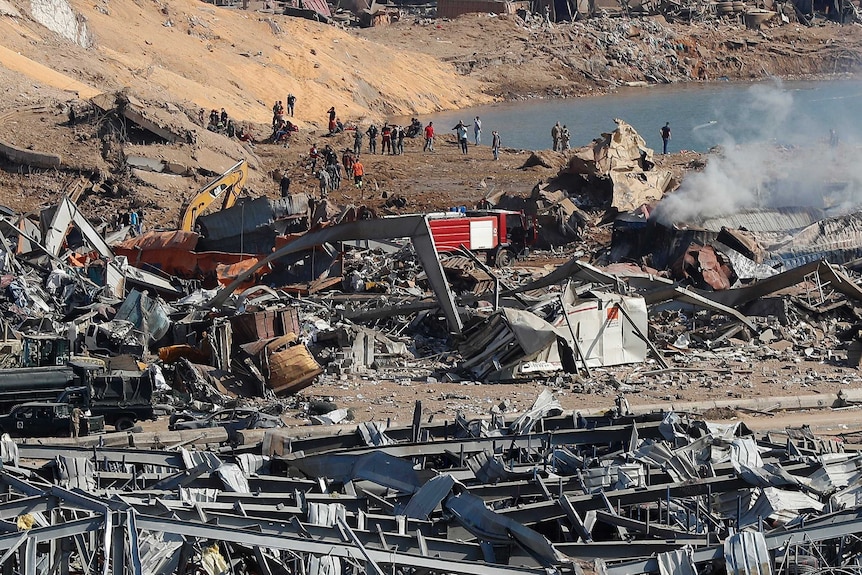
<point>413,227</point>
<point>297,544</point>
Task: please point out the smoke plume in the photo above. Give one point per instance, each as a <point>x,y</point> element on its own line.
<point>773,153</point>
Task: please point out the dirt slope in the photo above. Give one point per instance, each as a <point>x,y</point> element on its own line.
<point>240,60</point>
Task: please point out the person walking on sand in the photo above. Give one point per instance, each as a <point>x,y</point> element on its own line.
<point>284,184</point>
<point>400,142</point>
<point>347,160</point>
<point>429,138</point>
<point>386,139</point>
<point>313,156</point>
<point>358,172</point>
<point>495,144</point>
<point>477,130</point>
<point>665,137</point>
<point>461,133</point>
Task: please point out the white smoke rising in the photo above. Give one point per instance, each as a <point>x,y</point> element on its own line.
<point>773,154</point>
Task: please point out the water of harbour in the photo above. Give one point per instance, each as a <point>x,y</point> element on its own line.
<point>701,115</point>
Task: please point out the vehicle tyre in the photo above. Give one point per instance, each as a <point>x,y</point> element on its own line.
<point>124,423</point>
<point>503,258</point>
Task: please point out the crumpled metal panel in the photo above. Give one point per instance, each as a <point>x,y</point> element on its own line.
<point>746,553</point>
<point>324,565</point>
<point>677,562</point>
<point>153,240</point>
<point>744,453</point>
<point>232,477</point>
<point>779,505</point>
<point>429,496</point>
<point>771,220</point>
<point>837,475</point>
<point>546,404</point>
<point>192,459</point>
<point>145,313</point>
<point>374,433</point>
<point>326,514</point>
<point>486,525</point>
<point>159,552</point>
<point>76,472</point>
<point>377,467</point>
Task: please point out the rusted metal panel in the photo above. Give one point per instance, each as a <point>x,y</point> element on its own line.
<point>454,8</point>
<point>292,370</point>
<point>289,318</point>
<point>250,327</point>
<point>152,240</point>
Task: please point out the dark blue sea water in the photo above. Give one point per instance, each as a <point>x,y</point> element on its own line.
<point>701,116</point>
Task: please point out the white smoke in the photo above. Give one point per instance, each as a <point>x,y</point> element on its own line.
<point>773,154</point>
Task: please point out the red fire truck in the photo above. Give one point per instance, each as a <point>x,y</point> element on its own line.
<point>499,234</point>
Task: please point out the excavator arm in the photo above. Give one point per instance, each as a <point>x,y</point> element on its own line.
<point>228,185</point>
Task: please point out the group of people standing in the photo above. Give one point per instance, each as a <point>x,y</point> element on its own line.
<point>461,135</point>
<point>329,176</point>
<point>391,139</point>
<point>561,136</point>
<point>134,219</point>
<point>219,122</point>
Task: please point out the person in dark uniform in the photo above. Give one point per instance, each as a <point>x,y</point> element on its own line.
<point>284,185</point>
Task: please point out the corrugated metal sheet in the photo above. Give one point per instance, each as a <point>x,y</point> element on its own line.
<point>836,475</point>
<point>319,6</point>
<point>250,215</point>
<point>779,505</point>
<point>744,453</point>
<point>678,562</point>
<point>746,554</point>
<point>778,219</point>
<point>836,240</point>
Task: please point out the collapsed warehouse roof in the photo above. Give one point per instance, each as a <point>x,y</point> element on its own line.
<point>547,492</point>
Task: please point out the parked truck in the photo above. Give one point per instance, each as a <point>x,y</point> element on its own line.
<point>122,397</point>
<point>47,419</point>
<point>49,373</point>
<point>501,235</point>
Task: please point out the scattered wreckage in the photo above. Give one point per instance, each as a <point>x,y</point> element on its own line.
<point>546,492</point>
<point>368,295</point>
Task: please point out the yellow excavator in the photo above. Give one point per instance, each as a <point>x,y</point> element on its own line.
<point>229,185</point>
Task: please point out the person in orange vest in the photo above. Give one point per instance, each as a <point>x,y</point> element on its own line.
<point>358,172</point>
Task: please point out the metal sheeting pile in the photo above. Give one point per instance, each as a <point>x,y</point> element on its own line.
<point>546,493</point>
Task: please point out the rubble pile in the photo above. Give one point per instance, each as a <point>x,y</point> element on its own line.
<point>267,297</point>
